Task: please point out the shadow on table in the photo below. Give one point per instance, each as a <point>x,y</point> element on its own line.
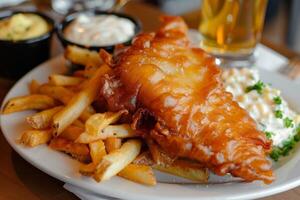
<point>42,185</point>
<point>5,85</point>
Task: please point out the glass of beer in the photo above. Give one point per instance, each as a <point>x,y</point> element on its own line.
<point>231,28</point>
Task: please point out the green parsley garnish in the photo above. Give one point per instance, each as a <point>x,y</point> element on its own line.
<point>275,154</point>
<point>288,123</point>
<point>259,86</point>
<point>288,145</point>
<point>278,114</point>
<point>297,135</point>
<point>269,134</point>
<point>277,100</point>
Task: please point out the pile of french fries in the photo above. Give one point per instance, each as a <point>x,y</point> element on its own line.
<point>66,121</point>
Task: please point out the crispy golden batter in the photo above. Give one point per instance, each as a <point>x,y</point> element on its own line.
<point>176,93</point>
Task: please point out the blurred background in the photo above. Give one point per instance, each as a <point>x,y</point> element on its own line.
<point>282,22</point>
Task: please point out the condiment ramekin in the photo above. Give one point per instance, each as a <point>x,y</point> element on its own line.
<point>69,18</point>
<point>18,57</point>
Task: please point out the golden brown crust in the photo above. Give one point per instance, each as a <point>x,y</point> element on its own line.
<point>194,116</point>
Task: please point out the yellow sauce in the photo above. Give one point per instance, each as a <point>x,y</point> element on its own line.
<point>23,26</point>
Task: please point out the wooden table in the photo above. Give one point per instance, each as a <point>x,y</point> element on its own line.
<point>20,180</point>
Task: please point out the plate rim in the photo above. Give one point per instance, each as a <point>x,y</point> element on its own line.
<point>121,194</point>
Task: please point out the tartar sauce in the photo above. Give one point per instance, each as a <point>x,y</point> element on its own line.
<point>99,30</point>
<point>264,104</point>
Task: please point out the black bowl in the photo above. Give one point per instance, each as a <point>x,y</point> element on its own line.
<point>18,57</point>
<point>69,18</point>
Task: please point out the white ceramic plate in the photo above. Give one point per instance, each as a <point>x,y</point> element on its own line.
<point>65,169</point>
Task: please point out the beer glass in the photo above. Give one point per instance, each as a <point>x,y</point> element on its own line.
<point>231,28</point>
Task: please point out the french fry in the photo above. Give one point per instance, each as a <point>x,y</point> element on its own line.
<point>64,95</point>
<point>114,162</point>
<point>97,122</point>
<point>119,131</point>
<point>83,56</point>
<point>93,138</point>
<point>87,169</point>
<point>71,132</point>
<point>89,70</point>
<point>80,152</point>
<point>57,92</point>
<point>62,80</point>
<point>139,173</point>
<point>78,123</point>
<point>112,144</point>
<point>33,87</point>
<point>199,174</point>
<point>79,102</point>
<point>29,102</point>
<point>42,119</point>
<point>87,73</point>
<point>95,126</point>
<point>77,88</point>
<point>82,85</point>
<point>97,152</point>
<point>158,155</point>
<point>85,115</point>
<point>32,138</point>
<point>86,138</point>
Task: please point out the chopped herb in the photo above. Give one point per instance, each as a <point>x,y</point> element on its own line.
<point>277,100</point>
<point>288,123</point>
<point>298,129</point>
<point>287,146</point>
<point>275,154</point>
<point>257,86</point>
<point>278,114</point>
<point>269,134</point>
<point>297,135</point>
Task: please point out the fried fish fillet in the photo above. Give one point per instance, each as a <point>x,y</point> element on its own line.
<point>176,94</point>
